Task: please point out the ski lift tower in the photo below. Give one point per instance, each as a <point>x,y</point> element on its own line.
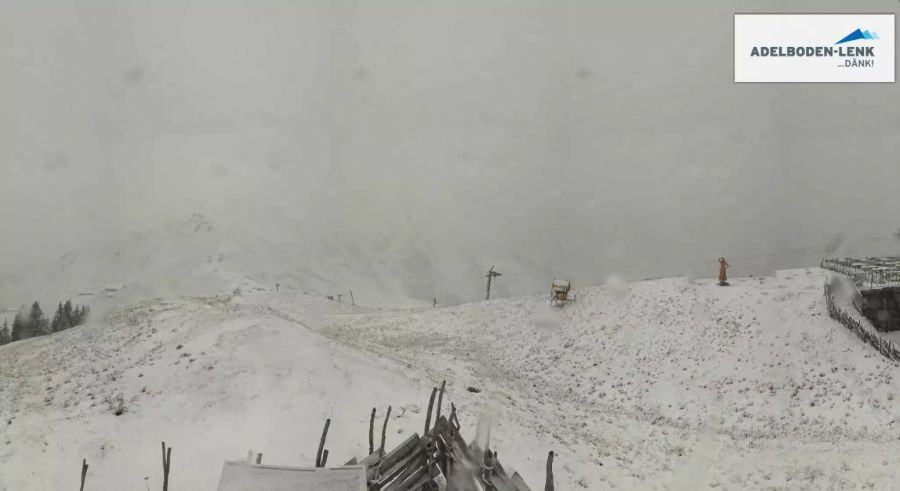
<point>491,274</point>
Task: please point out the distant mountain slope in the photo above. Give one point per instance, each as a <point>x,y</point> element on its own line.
<point>197,257</point>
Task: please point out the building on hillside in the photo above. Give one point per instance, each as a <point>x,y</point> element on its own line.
<point>877,283</point>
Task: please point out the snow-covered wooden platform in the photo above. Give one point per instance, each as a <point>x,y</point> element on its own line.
<point>243,476</point>
<point>869,272</point>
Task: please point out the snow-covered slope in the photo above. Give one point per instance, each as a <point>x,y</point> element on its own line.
<point>193,257</point>
<point>211,377</point>
<point>671,383</point>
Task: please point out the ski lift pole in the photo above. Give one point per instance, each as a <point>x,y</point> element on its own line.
<point>491,274</point>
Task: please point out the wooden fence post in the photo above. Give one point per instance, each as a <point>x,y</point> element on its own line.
<point>548,486</point>
<point>84,468</point>
<point>440,400</point>
<point>372,432</point>
<point>384,432</point>
<point>453,417</point>
<point>167,461</point>
<point>322,443</point>
<point>430,407</point>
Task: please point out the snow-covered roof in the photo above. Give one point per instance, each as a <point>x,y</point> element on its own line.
<point>242,476</point>
<point>870,272</point>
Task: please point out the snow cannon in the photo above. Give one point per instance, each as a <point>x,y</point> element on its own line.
<point>559,292</point>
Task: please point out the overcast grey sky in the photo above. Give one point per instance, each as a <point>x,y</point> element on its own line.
<point>548,137</point>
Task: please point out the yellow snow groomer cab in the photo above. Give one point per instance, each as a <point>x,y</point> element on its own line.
<point>559,292</point>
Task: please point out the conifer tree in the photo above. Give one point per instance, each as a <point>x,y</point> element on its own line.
<point>5,336</point>
<point>19,328</point>
<point>38,324</point>
<point>64,320</point>
<point>56,323</point>
<point>69,314</point>
<point>64,323</point>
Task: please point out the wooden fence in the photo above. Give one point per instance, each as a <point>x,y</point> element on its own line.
<point>867,273</point>
<point>883,346</point>
<point>439,459</point>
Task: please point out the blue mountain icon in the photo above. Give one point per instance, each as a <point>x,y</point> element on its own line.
<point>858,34</point>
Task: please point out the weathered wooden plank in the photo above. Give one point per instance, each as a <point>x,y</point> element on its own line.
<point>498,477</point>
<point>399,470</point>
<point>391,469</point>
<point>461,476</point>
<point>418,469</point>
<point>371,459</point>
<point>405,483</point>
<point>519,483</point>
<point>413,467</point>
<point>505,478</point>
<point>404,448</point>
<point>434,476</point>
<point>441,453</point>
<point>391,458</point>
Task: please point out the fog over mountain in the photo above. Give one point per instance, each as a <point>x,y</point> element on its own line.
<point>420,143</point>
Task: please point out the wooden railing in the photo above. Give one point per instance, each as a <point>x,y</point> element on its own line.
<point>883,346</point>
<point>866,279</point>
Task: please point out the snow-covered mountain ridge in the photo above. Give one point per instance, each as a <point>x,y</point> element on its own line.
<point>194,257</point>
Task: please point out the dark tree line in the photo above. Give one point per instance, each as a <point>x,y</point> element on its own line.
<point>34,323</point>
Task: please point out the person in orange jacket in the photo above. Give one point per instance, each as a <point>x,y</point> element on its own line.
<point>723,277</point>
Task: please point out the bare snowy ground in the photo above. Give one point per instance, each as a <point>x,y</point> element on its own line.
<point>668,383</point>
<point>671,384</point>
<point>210,377</point>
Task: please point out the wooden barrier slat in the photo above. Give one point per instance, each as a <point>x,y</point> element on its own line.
<point>398,467</point>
